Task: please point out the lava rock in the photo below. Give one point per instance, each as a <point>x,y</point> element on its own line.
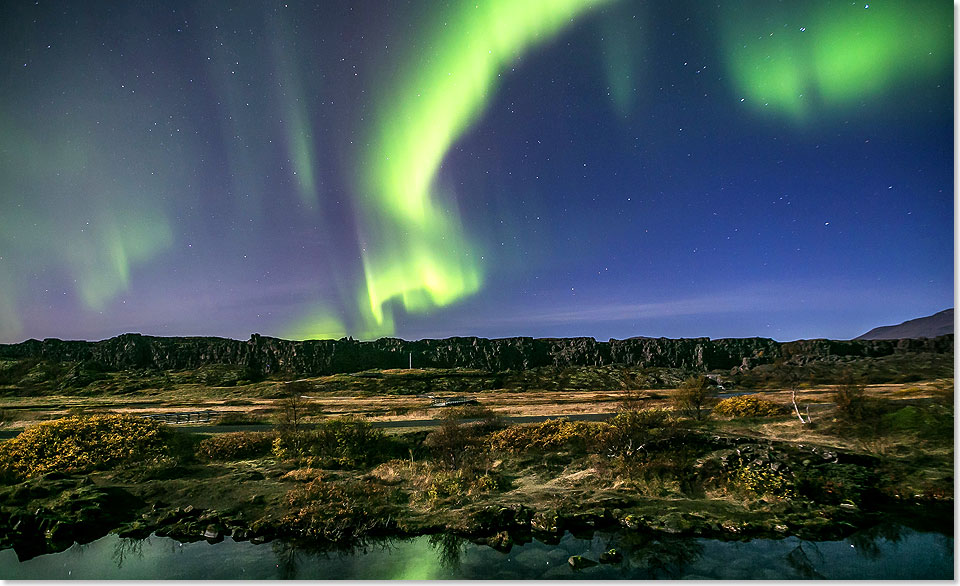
<point>578,562</point>
<point>611,556</point>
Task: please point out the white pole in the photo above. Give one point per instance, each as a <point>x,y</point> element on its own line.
<point>411,361</point>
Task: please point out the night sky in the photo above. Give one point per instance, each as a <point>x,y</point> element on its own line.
<point>492,168</point>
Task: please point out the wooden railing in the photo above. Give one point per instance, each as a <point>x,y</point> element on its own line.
<point>175,417</point>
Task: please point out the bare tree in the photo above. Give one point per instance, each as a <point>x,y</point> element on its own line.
<point>294,406</point>
<point>693,395</point>
<point>790,378</point>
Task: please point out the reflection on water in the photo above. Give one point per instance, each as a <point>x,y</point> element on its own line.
<point>801,563</point>
<point>286,555</point>
<point>449,549</point>
<point>660,557</point>
<point>888,551</point>
<point>126,547</point>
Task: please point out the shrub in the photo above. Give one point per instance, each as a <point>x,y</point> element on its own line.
<point>340,512</point>
<point>552,434</point>
<point>239,418</point>
<point>851,402</point>
<point>761,481</point>
<point>434,485</point>
<point>666,473</point>
<point>746,406</point>
<point>453,444</point>
<point>295,406</point>
<point>351,438</point>
<point>469,412</point>
<point>236,446</point>
<point>79,444</point>
<point>629,433</point>
<point>342,442</point>
<point>458,485</point>
<point>631,401</point>
<point>692,396</point>
<point>836,483</point>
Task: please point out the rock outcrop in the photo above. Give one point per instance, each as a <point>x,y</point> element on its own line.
<point>261,355</point>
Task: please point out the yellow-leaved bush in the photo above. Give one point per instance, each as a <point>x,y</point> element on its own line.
<point>80,444</point>
<point>552,434</point>
<point>746,406</point>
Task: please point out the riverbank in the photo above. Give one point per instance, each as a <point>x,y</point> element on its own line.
<point>889,551</point>
<point>644,470</point>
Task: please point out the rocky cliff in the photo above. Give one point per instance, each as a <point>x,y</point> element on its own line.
<point>263,356</point>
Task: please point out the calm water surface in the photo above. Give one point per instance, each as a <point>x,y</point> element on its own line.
<point>886,552</point>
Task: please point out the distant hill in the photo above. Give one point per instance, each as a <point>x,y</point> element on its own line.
<point>931,326</point>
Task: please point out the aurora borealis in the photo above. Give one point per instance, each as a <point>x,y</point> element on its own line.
<point>415,249</point>
<point>606,168</point>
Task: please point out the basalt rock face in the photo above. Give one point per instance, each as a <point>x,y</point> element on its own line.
<point>263,355</point>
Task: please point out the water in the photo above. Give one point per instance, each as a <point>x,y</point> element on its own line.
<point>887,552</point>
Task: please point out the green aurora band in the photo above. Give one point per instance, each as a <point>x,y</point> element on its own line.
<point>816,58</point>
<point>61,214</point>
<point>415,250</point>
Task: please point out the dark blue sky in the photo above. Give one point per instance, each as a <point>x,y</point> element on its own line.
<point>656,169</point>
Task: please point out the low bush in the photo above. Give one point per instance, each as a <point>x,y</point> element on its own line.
<point>463,412</point>
<point>338,512</point>
<point>341,442</point>
<point>240,418</point>
<point>747,406</point>
<point>454,444</point>
<point>629,434</point>
<point>457,486</point>
<point>761,481</point>
<point>551,435</point>
<point>853,405</point>
<point>79,444</point>
<point>663,474</point>
<point>470,412</point>
<point>351,438</point>
<point>240,445</point>
<point>837,483</point>
<point>436,485</point>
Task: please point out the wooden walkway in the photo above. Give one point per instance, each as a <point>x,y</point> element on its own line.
<point>449,401</point>
<point>176,417</point>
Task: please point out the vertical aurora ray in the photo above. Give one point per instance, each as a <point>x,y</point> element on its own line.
<point>622,48</point>
<point>415,250</point>
<point>297,124</point>
<point>811,57</point>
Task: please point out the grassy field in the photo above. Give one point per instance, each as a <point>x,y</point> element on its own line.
<point>337,395</point>
<point>33,391</point>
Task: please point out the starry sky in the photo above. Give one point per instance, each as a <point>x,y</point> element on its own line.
<point>605,168</point>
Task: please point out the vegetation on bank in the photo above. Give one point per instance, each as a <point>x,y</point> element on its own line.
<point>81,444</point>
<point>688,462</point>
<point>747,406</point>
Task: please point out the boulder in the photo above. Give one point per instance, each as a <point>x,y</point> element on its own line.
<point>611,556</point>
<point>578,562</point>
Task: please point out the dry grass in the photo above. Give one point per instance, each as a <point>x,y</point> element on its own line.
<point>250,399</point>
